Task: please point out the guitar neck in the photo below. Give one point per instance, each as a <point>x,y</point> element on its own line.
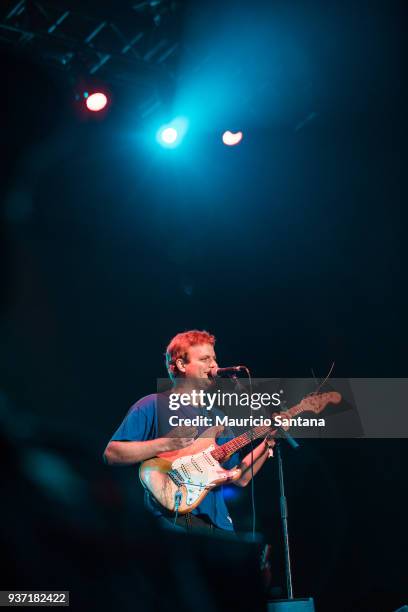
<point>222,452</point>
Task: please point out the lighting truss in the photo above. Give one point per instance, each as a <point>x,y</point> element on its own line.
<point>126,41</point>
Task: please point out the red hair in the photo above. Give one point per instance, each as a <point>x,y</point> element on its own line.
<point>179,345</point>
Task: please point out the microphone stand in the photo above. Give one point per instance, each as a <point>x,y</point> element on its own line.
<point>282,434</point>
<point>284,517</point>
<point>237,382</point>
<point>295,604</point>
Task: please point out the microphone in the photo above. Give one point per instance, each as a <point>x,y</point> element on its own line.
<point>226,371</point>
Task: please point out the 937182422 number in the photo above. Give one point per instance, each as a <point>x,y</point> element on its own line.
<point>34,598</point>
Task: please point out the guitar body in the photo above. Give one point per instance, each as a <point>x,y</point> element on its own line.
<point>180,479</point>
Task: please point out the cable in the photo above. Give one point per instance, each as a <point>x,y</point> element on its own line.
<point>253,505</point>
<point>252,455</point>
<point>325,380</point>
<point>177,500</point>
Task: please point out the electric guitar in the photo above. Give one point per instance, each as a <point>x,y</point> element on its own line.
<point>180,479</point>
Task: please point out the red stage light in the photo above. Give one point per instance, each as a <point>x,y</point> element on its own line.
<point>96,102</point>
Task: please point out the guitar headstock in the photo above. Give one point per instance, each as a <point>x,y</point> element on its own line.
<point>317,403</point>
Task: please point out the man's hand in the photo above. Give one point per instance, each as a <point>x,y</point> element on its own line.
<point>180,437</point>
<point>269,444</point>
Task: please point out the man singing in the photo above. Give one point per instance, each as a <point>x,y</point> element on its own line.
<point>144,432</point>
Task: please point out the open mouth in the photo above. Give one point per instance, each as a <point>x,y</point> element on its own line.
<point>210,375</point>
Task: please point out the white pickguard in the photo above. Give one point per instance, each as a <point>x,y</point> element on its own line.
<point>198,472</point>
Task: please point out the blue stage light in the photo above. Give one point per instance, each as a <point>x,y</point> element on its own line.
<point>171,134</point>
<point>231,492</point>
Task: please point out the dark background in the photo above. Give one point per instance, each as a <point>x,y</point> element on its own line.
<point>289,248</point>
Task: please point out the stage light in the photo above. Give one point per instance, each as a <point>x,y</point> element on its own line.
<point>231,138</point>
<point>96,102</point>
<point>231,492</point>
<point>170,135</point>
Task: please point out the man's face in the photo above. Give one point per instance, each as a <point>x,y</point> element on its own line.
<point>201,358</point>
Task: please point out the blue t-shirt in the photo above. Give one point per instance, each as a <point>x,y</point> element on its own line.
<point>149,419</point>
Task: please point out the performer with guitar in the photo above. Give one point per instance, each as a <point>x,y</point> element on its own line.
<point>146,437</point>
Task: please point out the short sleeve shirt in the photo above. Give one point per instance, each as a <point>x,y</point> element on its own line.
<point>149,419</point>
